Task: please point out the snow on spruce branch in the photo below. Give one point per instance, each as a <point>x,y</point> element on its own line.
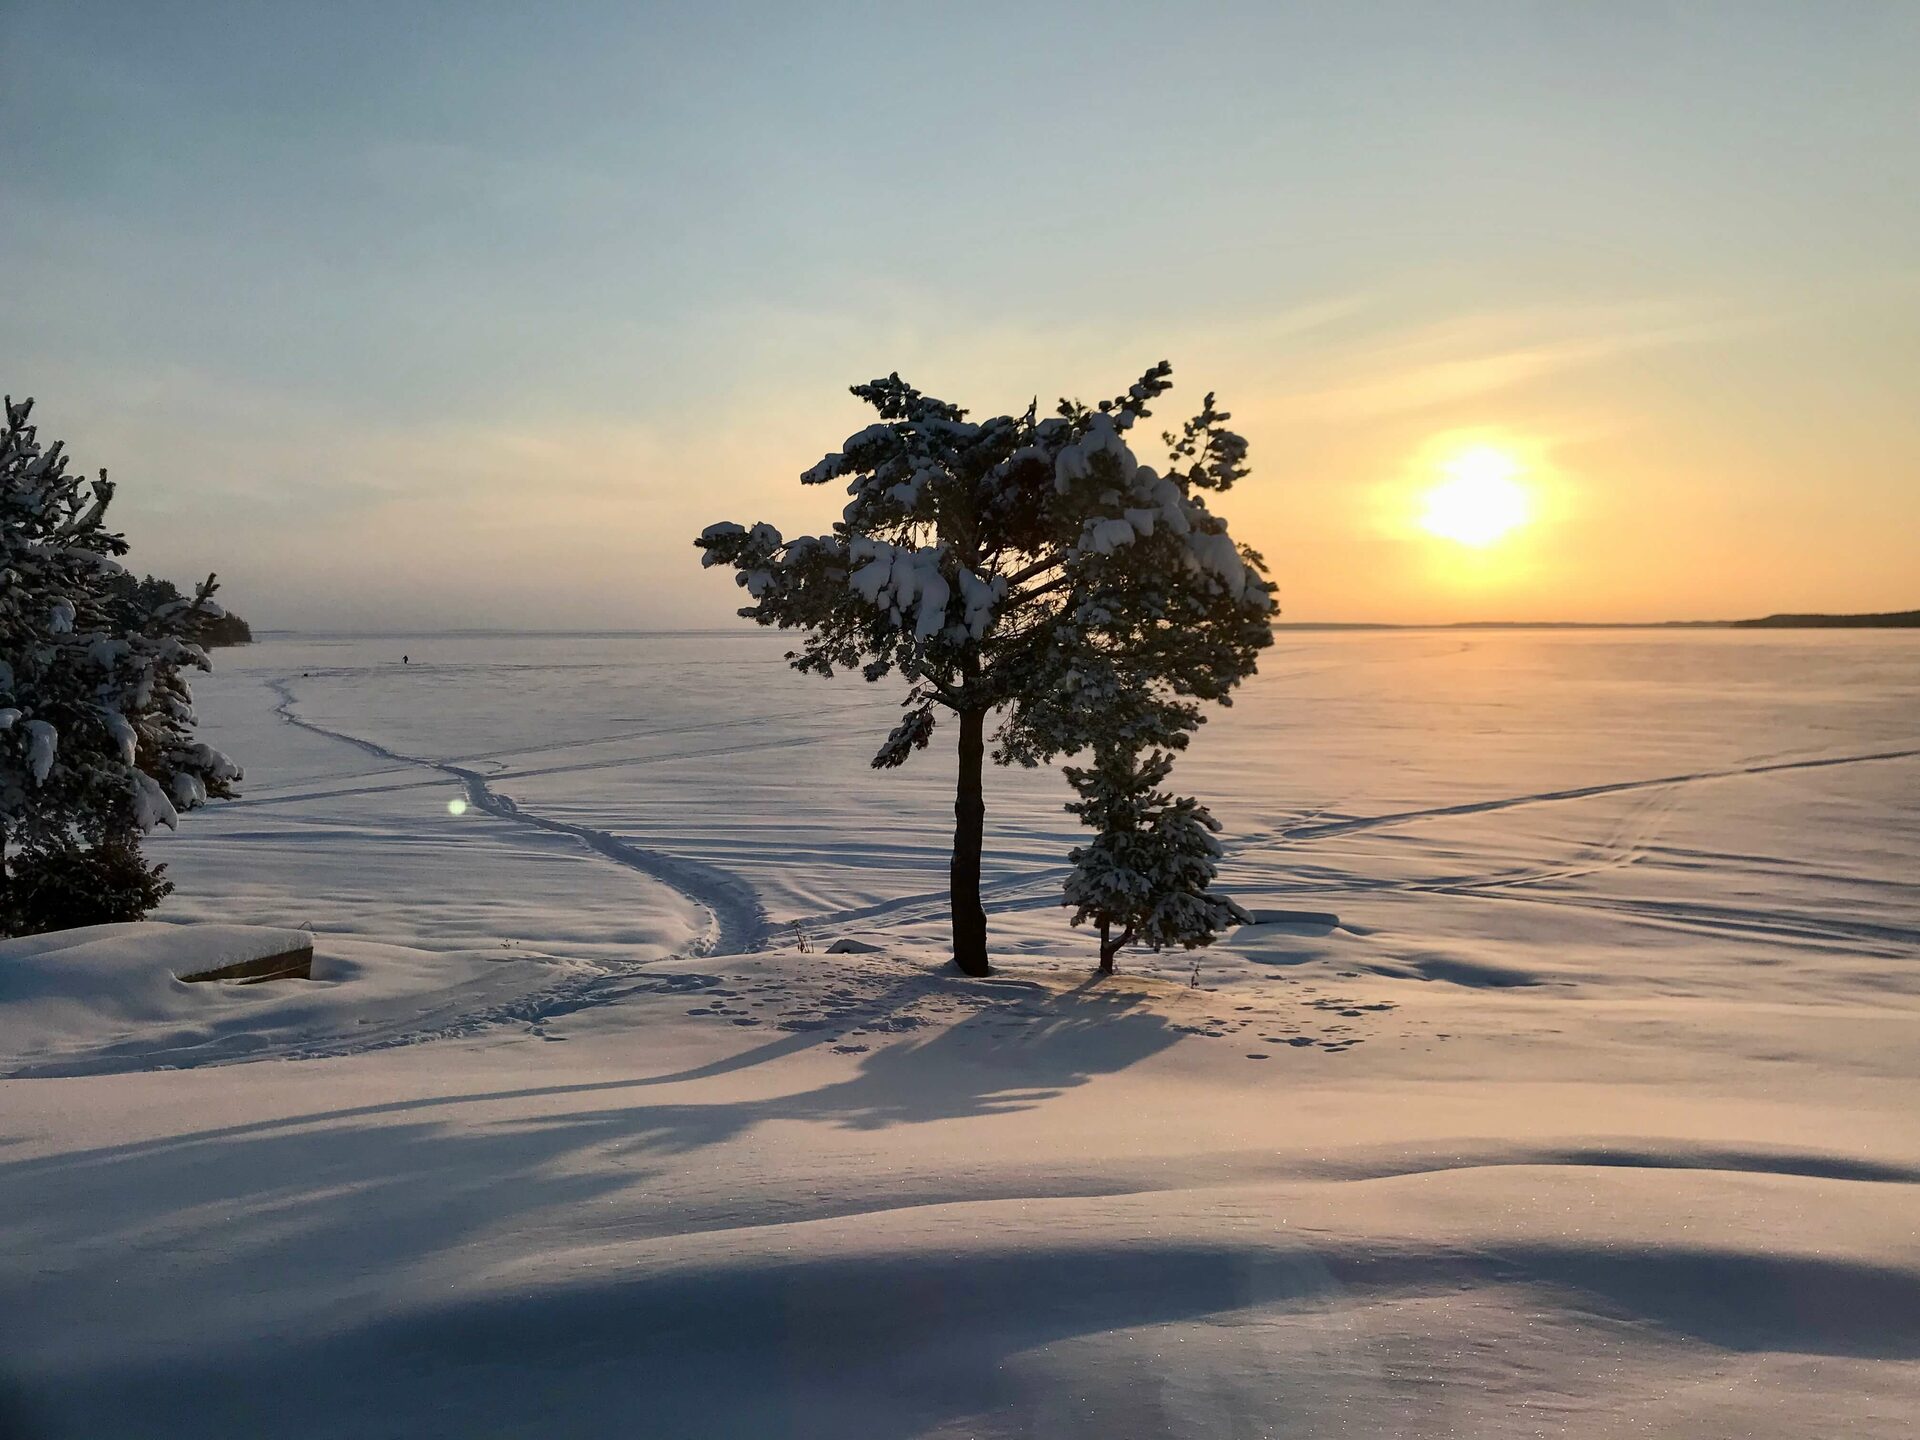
<point>96,712</point>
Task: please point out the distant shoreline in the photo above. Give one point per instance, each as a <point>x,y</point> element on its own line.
<point>1880,620</point>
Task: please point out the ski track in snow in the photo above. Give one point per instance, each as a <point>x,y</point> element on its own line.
<point>622,762</point>
<point>533,1011</point>
<point>739,919</point>
<point>1285,834</point>
<point>1632,836</point>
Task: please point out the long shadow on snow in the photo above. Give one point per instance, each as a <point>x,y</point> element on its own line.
<point>267,1209</point>
<point>1072,1031</point>
<point>890,1344</point>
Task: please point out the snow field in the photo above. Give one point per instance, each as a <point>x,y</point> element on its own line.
<point>1592,1112</point>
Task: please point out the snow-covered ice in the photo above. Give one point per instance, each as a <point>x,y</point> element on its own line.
<point>1569,1086</point>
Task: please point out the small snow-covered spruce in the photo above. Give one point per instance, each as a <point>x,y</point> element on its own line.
<point>96,717</point>
<point>1143,878</point>
<point>1025,567</point>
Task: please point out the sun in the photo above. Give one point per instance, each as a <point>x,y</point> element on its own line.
<point>1481,500</point>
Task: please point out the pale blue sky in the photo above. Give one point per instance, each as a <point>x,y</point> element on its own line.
<point>408,314</point>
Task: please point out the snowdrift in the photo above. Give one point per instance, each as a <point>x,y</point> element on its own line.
<point>112,998</point>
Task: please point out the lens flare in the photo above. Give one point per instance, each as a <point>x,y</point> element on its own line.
<point>456,806</point>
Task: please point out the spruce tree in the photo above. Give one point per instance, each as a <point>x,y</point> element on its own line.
<point>96,716</point>
<point>1144,878</point>
<point>1028,567</point>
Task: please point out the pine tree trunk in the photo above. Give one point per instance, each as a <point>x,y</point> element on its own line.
<point>1107,948</point>
<point>969,822</point>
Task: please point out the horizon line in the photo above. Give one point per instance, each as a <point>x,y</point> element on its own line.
<point>1814,617</point>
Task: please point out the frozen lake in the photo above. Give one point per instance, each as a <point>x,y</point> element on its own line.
<point>1656,787</point>
<point>1594,1114</point>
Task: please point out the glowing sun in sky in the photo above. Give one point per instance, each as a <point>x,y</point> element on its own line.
<point>1480,500</point>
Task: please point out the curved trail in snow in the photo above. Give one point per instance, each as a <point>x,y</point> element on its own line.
<point>619,737</point>
<point>739,920</point>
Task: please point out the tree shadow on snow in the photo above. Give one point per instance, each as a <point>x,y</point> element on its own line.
<point>270,1221</point>
<point>1054,1336</point>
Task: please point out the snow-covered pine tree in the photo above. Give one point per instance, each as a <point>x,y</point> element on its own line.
<point>1028,566</point>
<point>1144,877</point>
<point>96,718</point>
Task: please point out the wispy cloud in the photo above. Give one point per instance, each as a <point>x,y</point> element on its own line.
<point>1471,356</point>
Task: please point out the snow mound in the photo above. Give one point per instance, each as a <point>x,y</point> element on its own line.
<point>109,998</point>
<point>1475,974</point>
<point>76,986</point>
<point>113,953</point>
<point>1319,920</point>
<point>129,971</point>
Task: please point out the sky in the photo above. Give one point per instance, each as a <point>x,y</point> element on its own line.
<point>474,315</point>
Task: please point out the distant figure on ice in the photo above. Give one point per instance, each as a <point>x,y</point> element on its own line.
<point>404,660</point>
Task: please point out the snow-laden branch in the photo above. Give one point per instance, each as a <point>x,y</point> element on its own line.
<point>96,714</point>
